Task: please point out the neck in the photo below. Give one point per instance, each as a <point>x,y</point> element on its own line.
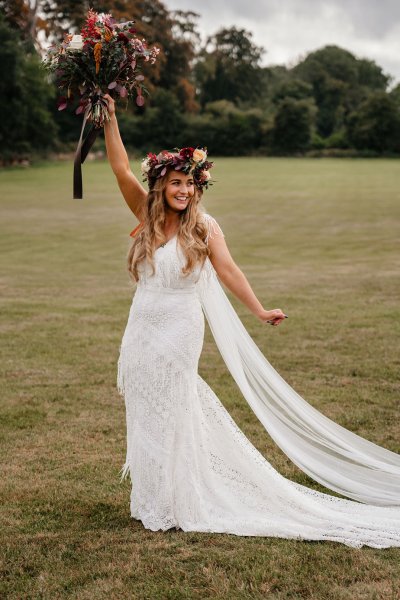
<point>172,217</point>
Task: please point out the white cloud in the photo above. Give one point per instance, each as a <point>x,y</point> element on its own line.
<point>289,29</point>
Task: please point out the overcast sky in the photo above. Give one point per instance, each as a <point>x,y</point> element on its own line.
<point>289,29</point>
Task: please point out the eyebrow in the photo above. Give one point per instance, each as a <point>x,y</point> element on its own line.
<point>177,179</point>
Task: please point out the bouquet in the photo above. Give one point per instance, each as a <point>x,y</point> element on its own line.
<point>104,58</point>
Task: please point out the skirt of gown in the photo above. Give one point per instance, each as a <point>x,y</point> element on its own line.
<point>191,467</point>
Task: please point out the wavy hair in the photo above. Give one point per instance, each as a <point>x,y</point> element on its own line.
<point>191,234</point>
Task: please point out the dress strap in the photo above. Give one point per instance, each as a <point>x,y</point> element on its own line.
<point>213,228</point>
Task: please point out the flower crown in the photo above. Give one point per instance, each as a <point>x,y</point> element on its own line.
<point>189,160</point>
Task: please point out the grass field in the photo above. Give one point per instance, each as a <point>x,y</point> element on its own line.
<point>317,238</point>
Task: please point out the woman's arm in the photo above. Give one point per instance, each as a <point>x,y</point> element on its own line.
<point>134,193</point>
<point>235,280</point>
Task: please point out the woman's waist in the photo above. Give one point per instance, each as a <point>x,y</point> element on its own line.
<point>159,289</point>
<point>162,305</point>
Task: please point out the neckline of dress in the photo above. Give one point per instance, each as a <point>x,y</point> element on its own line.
<point>166,243</point>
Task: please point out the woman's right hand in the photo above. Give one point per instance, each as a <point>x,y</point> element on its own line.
<point>110,104</point>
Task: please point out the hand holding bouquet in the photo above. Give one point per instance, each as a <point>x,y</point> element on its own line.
<point>104,58</point>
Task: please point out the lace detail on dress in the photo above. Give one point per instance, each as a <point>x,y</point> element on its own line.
<point>212,226</point>
<point>191,466</point>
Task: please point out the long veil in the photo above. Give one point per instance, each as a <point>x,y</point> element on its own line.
<point>332,455</point>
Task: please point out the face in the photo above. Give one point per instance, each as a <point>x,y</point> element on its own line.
<point>179,191</point>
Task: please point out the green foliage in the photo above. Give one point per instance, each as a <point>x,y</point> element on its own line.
<point>23,18</point>
<point>340,82</point>
<point>230,69</point>
<point>330,61</point>
<point>27,125</point>
<point>376,124</point>
<point>338,139</point>
<point>292,88</point>
<point>226,130</point>
<point>291,132</point>
<point>395,94</point>
<point>215,95</point>
<point>371,75</point>
<point>159,127</point>
<point>162,124</point>
<point>175,33</point>
<point>316,141</point>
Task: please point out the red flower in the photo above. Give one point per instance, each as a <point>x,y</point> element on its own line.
<point>90,28</point>
<point>186,153</point>
<point>122,37</point>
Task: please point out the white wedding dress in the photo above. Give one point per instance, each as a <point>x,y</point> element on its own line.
<point>191,466</point>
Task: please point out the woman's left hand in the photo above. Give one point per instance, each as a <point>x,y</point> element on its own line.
<point>274,317</point>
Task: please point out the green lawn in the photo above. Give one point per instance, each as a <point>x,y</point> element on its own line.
<point>317,238</point>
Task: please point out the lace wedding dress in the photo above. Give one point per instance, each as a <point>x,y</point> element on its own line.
<point>191,466</point>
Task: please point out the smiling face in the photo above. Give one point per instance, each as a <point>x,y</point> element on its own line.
<point>178,191</point>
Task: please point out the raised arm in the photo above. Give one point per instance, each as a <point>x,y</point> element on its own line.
<point>132,190</point>
<point>235,280</point>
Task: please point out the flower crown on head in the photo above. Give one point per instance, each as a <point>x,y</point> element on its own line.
<point>191,161</point>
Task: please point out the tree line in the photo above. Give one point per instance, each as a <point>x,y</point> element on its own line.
<point>213,94</point>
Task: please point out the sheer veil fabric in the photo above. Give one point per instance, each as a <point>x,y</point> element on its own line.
<point>192,468</point>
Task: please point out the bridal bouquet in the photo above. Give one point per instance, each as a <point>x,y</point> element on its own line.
<point>104,57</point>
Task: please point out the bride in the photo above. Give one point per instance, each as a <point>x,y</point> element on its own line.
<point>191,466</point>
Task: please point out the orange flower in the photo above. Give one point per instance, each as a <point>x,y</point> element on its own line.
<point>97,55</point>
<point>108,34</point>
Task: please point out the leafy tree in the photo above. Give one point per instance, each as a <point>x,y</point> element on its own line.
<point>339,100</point>
<point>228,67</point>
<point>24,98</point>
<point>292,127</point>
<point>376,124</point>
<point>271,80</point>
<point>292,88</point>
<point>332,61</point>
<point>175,33</point>
<point>225,129</point>
<point>371,75</point>
<point>161,126</point>
<point>330,71</point>
<point>340,83</point>
<point>26,18</point>
<point>395,94</point>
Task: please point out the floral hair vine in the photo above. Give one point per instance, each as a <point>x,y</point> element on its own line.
<point>191,161</point>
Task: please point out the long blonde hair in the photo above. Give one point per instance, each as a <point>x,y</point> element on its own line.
<point>191,234</point>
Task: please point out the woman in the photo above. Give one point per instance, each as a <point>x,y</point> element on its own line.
<point>191,466</point>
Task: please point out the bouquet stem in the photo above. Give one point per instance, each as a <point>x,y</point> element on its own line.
<point>98,111</point>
